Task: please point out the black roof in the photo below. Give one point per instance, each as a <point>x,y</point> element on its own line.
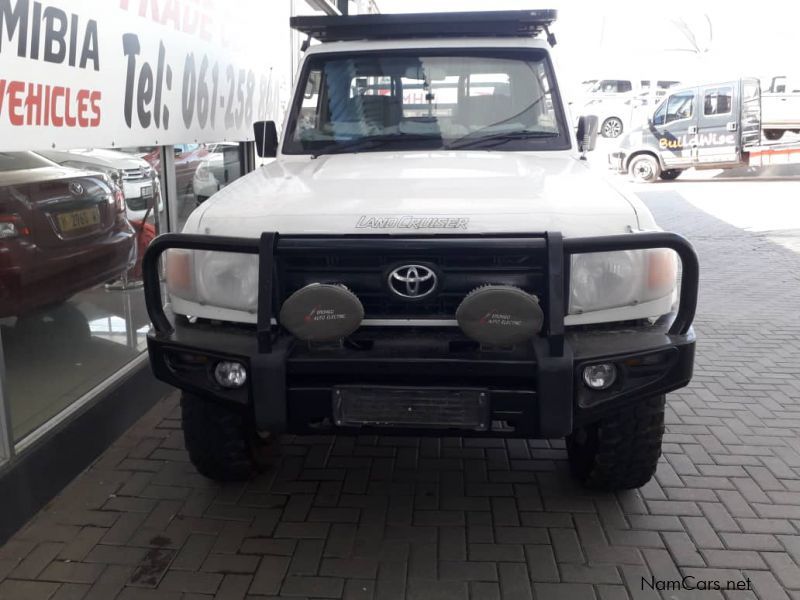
<point>506,23</point>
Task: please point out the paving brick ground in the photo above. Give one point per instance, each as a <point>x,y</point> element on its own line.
<point>419,518</point>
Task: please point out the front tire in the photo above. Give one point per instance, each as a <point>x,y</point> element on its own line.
<point>222,440</point>
<point>670,174</point>
<point>621,451</point>
<point>612,128</point>
<point>644,168</point>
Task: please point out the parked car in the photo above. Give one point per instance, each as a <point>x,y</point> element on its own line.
<point>138,180</point>
<point>216,170</point>
<point>780,107</point>
<point>62,230</point>
<point>187,159</point>
<point>461,272</point>
<point>620,103</point>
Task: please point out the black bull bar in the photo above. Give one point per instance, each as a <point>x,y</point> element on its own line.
<point>551,354</point>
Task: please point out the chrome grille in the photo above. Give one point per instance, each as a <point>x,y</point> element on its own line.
<point>367,277</point>
<point>136,173</point>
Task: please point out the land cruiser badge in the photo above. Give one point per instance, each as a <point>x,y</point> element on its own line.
<point>410,222</point>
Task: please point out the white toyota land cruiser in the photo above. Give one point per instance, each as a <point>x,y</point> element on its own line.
<point>428,254</point>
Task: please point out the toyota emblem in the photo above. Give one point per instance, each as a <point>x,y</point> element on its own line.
<point>75,188</point>
<point>413,281</point>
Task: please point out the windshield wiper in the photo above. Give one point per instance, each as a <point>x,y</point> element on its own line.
<point>499,138</point>
<point>372,142</point>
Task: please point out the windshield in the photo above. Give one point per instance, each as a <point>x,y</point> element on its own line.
<point>391,101</point>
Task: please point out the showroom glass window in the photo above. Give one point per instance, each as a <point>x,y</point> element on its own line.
<point>201,170</point>
<point>73,226</point>
<point>413,101</point>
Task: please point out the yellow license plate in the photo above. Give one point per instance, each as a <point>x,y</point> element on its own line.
<point>78,219</point>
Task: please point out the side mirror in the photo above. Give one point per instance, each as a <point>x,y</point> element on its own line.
<point>587,133</point>
<point>266,134</point>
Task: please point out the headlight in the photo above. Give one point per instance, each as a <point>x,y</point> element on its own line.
<point>606,280</point>
<point>222,279</point>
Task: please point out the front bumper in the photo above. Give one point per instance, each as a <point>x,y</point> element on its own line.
<point>530,394</point>
<point>533,390</point>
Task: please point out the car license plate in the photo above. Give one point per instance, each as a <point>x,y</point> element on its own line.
<point>147,191</point>
<point>441,408</point>
<point>78,219</point>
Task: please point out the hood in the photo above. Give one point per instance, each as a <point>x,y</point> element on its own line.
<point>418,192</point>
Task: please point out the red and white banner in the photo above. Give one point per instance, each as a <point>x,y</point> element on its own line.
<point>115,73</point>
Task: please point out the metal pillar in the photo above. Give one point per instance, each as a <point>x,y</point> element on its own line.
<point>169,186</point>
<point>6,432</point>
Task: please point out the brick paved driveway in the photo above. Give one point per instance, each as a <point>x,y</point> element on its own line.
<point>426,518</point>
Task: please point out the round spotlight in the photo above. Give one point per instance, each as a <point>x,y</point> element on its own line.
<point>500,315</point>
<point>322,312</point>
<point>600,377</point>
<point>230,374</point>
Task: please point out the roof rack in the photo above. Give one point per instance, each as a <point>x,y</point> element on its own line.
<point>507,23</point>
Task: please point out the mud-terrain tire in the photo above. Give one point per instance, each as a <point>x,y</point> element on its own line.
<point>621,451</point>
<point>221,439</point>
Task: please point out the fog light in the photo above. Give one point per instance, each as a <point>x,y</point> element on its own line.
<point>230,374</point>
<point>600,377</point>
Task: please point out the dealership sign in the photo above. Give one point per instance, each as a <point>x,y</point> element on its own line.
<point>112,73</point>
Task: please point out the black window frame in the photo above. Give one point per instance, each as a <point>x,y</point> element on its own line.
<point>563,142</point>
<point>661,105</point>
<point>717,88</point>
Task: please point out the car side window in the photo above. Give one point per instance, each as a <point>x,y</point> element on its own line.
<point>613,86</point>
<point>680,106</point>
<point>717,101</point>
<point>624,86</point>
<point>778,85</point>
